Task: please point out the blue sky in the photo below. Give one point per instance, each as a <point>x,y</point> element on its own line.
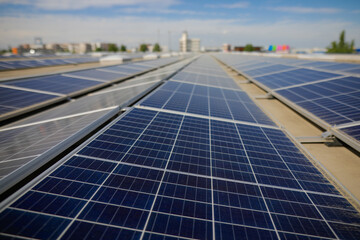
<point>301,24</point>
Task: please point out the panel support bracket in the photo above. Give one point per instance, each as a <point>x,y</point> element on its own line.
<point>326,137</point>
<point>266,96</point>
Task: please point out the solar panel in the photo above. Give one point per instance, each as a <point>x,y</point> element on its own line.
<point>124,69</point>
<point>54,83</point>
<point>94,74</point>
<point>293,77</point>
<point>353,70</point>
<point>267,70</point>
<point>154,174</point>
<point>205,79</point>
<point>117,95</point>
<point>339,66</point>
<point>208,101</point>
<point>22,64</point>
<point>14,99</point>
<point>33,145</point>
<point>336,101</point>
<point>316,64</point>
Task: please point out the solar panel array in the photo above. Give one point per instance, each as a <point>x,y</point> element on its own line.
<point>35,140</point>
<point>164,174</point>
<point>327,90</point>
<point>23,95</point>
<point>32,63</point>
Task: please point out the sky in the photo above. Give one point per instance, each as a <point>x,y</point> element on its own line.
<point>300,24</point>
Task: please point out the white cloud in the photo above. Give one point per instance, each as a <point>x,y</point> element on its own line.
<point>231,5</point>
<point>81,4</point>
<point>306,10</point>
<point>156,10</point>
<point>135,30</point>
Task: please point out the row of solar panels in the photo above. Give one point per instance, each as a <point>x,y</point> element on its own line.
<point>29,143</point>
<point>33,63</point>
<point>327,93</point>
<point>180,166</point>
<point>24,95</point>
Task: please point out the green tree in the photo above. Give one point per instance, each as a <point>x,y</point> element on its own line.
<point>99,49</point>
<point>249,48</point>
<point>341,46</point>
<point>123,48</point>
<point>113,47</point>
<point>156,48</point>
<point>143,47</point>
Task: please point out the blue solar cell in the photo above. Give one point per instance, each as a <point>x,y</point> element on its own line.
<point>66,188</point>
<point>31,225</point>
<point>302,225</point>
<point>346,231</point>
<point>227,231</point>
<point>291,208</point>
<point>180,226</point>
<point>243,217</point>
<point>47,203</point>
<point>86,230</point>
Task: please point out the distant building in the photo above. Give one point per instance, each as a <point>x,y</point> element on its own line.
<point>242,48</point>
<point>189,45</point>
<point>53,46</point>
<point>79,48</point>
<point>226,47</point>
